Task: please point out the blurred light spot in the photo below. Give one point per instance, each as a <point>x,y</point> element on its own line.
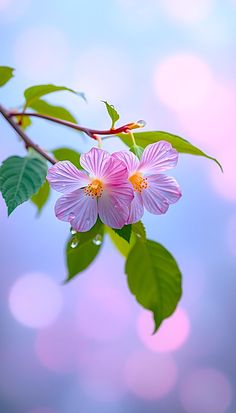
<point>187,11</point>
<point>172,334</point>
<point>231,234</point>
<point>183,81</point>
<point>10,10</point>
<point>4,4</point>
<point>101,374</point>
<point>35,300</point>
<point>150,375</point>
<point>103,74</point>
<point>42,54</point>
<point>225,183</point>
<point>206,391</point>
<point>213,124</point>
<point>103,313</point>
<point>57,347</point>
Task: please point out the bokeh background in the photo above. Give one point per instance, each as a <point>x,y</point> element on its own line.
<point>87,346</point>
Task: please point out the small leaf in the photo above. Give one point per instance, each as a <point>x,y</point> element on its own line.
<point>6,73</point>
<point>41,197</point>
<point>181,145</point>
<point>82,249</point>
<point>138,229</point>
<point>123,246</point>
<point>67,154</point>
<point>112,113</point>
<point>124,232</point>
<point>45,108</point>
<point>20,179</point>
<point>137,150</point>
<point>35,92</point>
<point>24,121</point>
<point>154,278</point>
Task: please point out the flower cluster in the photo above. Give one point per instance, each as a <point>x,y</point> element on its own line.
<point>115,187</point>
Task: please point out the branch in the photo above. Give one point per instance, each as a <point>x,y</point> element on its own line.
<point>28,142</point>
<point>90,132</point>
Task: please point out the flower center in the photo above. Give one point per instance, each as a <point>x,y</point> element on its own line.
<point>139,182</point>
<point>95,189</point>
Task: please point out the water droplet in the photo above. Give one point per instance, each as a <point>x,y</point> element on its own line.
<point>97,240</point>
<point>71,216</point>
<point>73,231</point>
<point>141,123</point>
<point>138,235</point>
<point>74,242</point>
<point>116,206</point>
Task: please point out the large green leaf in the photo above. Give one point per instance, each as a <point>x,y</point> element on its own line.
<point>114,115</point>
<point>45,108</point>
<point>82,249</point>
<point>6,73</point>
<point>181,145</point>
<point>67,154</point>
<point>33,93</point>
<point>154,278</point>
<point>41,197</point>
<point>20,179</point>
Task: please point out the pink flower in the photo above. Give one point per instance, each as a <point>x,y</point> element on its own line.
<point>103,190</point>
<point>152,190</point>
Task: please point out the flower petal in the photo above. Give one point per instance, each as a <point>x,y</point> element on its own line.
<point>158,157</point>
<point>113,206</point>
<point>136,209</point>
<point>65,177</point>
<point>129,159</point>
<point>162,190</point>
<point>96,162</point>
<point>78,209</point>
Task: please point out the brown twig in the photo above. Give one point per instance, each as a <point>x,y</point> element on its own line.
<point>28,142</point>
<point>88,131</point>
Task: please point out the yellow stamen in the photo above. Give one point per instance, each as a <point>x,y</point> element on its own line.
<point>95,189</point>
<point>139,182</point>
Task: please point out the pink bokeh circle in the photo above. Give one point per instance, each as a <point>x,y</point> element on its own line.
<point>172,334</point>
<point>150,375</point>
<point>206,390</point>
<point>35,300</point>
<point>183,81</point>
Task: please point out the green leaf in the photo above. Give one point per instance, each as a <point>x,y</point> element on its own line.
<point>137,150</point>
<point>114,115</point>
<point>123,246</point>
<point>124,232</point>
<point>20,179</point>
<point>138,229</point>
<point>67,154</point>
<point>45,108</point>
<point>6,73</point>
<point>41,197</point>
<point>154,278</point>
<point>82,249</point>
<point>181,145</point>
<point>33,93</point>
<point>23,121</point>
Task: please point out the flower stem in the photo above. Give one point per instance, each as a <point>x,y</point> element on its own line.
<point>90,132</point>
<point>28,142</point>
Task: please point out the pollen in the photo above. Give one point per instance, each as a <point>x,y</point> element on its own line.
<point>139,182</point>
<point>94,189</point>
